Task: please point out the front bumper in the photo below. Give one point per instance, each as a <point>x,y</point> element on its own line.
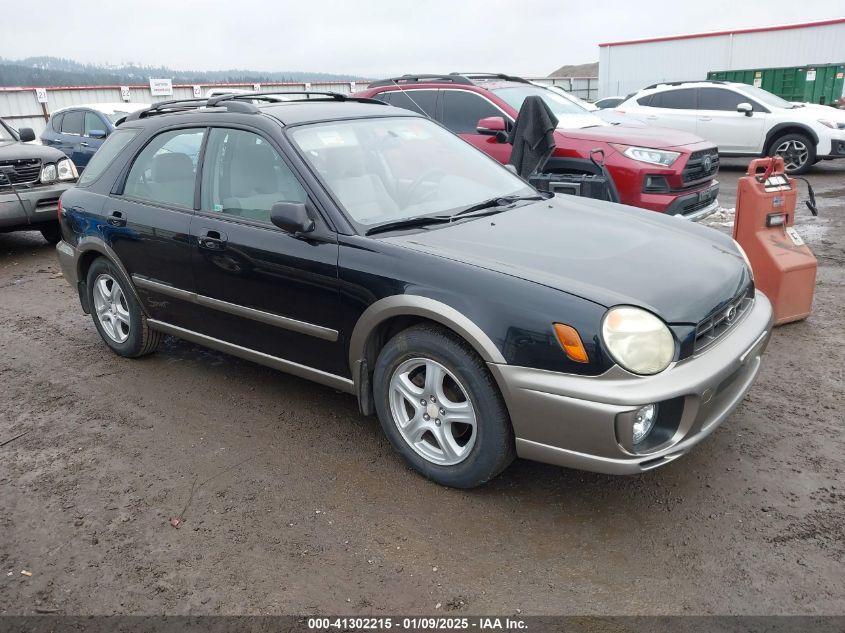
<point>39,204</point>
<point>575,421</point>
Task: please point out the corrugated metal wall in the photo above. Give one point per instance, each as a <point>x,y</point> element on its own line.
<point>625,68</point>
<point>20,106</point>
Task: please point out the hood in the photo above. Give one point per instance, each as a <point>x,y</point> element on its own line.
<point>13,150</point>
<point>607,253</point>
<point>578,121</point>
<point>824,111</point>
<point>653,137</point>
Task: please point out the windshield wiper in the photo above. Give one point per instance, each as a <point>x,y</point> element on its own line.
<point>501,201</point>
<point>408,223</point>
<point>493,205</point>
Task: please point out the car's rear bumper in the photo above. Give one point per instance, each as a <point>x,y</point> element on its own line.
<point>39,205</point>
<point>69,262</point>
<point>580,421</point>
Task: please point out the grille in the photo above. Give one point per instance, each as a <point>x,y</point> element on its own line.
<point>697,165</point>
<point>721,320</point>
<point>26,171</point>
<point>696,205</point>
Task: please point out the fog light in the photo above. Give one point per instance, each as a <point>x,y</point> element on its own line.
<point>644,421</point>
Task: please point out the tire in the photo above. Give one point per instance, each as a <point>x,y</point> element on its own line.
<point>425,362</point>
<point>52,233</point>
<point>797,147</point>
<point>117,315</point>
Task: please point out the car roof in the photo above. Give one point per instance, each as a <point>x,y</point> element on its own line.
<point>310,111</point>
<point>105,108</point>
<point>290,112</point>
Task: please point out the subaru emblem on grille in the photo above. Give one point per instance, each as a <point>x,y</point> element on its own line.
<point>730,315</point>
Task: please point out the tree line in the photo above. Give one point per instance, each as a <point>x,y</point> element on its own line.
<point>56,71</point>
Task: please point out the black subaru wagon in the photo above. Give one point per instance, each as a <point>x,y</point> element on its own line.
<point>366,248</point>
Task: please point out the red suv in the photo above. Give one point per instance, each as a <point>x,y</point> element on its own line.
<point>659,169</point>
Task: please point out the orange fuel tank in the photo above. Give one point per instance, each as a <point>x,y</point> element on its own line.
<point>784,267</point>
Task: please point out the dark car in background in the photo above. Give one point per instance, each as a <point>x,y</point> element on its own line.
<point>32,177</point>
<point>658,169</point>
<point>79,130</point>
<point>367,248</point>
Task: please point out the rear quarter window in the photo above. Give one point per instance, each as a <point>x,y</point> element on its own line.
<point>106,154</point>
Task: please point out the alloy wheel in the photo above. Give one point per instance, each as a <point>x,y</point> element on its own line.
<point>432,411</point>
<point>794,153</point>
<point>111,308</point>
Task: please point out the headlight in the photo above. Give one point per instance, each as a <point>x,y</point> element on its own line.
<point>48,173</point>
<point>67,170</point>
<point>836,125</point>
<point>647,155</point>
<point>638,340</point>
<point>745,257</point>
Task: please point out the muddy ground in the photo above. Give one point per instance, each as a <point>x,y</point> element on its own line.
<point>300,505</point>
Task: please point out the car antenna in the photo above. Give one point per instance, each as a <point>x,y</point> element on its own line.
<point>405,92</point>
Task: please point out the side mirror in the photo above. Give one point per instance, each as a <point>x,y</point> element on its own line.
<point>745,108</point>
<point>97,134</point>
<point>292,217</point>
<point>26,134</point>
<point>493,126</point>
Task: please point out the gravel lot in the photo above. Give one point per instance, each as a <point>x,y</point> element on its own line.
<point>299,505</point>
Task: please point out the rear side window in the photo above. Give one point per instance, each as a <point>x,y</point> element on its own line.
<point>57,121</point>
<point>106,154</point>
<point>72,122</point>
<point>420,101</point>
<point>166,169</point>
<point>721,99</point>
<point>243,176</point>
<point>93,122</point>
<point>683,99</point>
<point>462,110</point>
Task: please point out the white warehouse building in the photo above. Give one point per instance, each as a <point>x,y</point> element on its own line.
<point>625,67</point>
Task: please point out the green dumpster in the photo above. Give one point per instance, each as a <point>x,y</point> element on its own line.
<point>819,83</point>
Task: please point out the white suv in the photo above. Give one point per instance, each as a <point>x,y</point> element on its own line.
<point>743,120</point>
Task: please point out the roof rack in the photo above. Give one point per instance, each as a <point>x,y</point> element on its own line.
<point>689,81</point>
<point>426,78</point>
<point>501,76</point>
<point>240,102</point>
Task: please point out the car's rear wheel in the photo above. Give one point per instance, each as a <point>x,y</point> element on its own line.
<point>52,233</point>
<point>798,152</point>
<point>117,315</point>
<point>441,408</point>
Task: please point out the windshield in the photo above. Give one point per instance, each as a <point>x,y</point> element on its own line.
<point>766,97</point>
<point>561,106</point>
<point>5,135</point>
<point>388,169</point>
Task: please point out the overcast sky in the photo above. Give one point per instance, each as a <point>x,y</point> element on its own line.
<point>369,38</point>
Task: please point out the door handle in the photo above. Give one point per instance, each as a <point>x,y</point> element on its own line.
<point>83,144</point>
<point>651,117</point>
<point>116,218</point>
<point>212,240</point>
<point>705,118</point>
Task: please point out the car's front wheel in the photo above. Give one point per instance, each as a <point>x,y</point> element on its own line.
<point>441,408</point>
<point>117,315</point>
<point>798,152</point>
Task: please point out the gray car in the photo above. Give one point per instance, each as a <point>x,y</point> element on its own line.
<point>32,177</point>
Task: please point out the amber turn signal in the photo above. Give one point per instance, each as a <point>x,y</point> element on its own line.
<point>571,343</point>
